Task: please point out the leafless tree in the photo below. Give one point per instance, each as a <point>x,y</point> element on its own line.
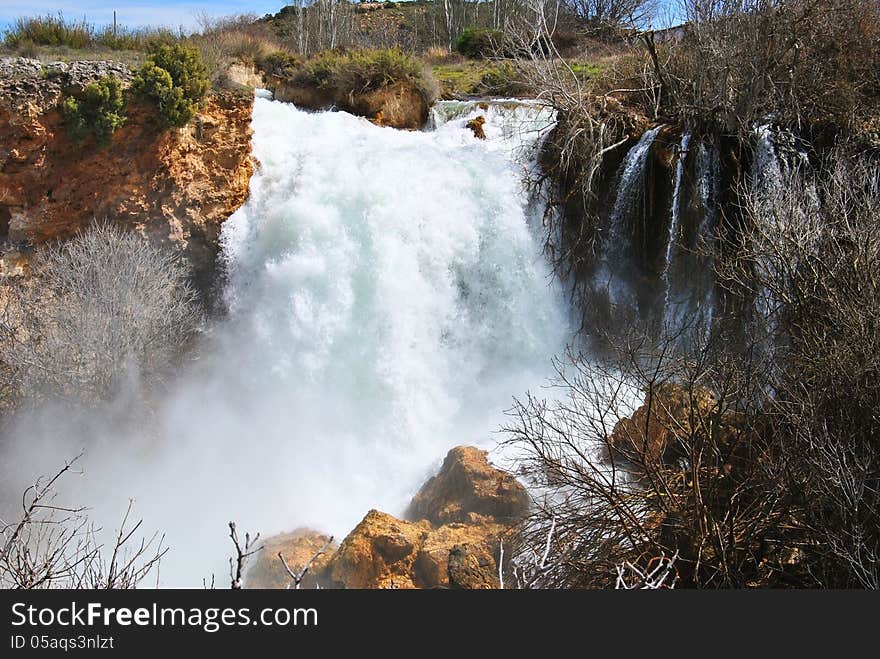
<point>242,553</point>
<point>655,450</point>
<point>301,574</point>
<point>811,256</point>
<point>55,546</point>
<point>659,574</point>
<point>100,308</point>
<point>807,61</point>
<point>605,14</point>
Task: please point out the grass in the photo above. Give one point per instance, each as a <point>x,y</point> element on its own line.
<point>590,69</point>
<point>462,78</point>
<point>58,32</point>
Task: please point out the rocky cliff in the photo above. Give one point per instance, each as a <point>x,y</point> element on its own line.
<point>450,539</point>
<point>175,186</point>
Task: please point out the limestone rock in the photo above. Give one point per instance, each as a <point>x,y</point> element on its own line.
<point>468,485</point>
<point>652,434</point>
<point>476,126</point>
<point>397,106</point>
<point>472,568</point>
<point>432,564</point>
<point>174,186</point>
<point>378,553</point>
<point>298,548</point>
<point>460,518</point>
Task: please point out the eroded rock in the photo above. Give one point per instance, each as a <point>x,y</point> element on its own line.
<point>174,186</point>
<point>463,514</point>
<point>468,485</point>
<point>298,548</point>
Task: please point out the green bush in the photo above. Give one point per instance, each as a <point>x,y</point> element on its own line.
<point>340,73</point>
<point>479,42</point>
<point>279,62</point>
<point>98,113</point>
<point>176,80</point>
<point>49,31</point>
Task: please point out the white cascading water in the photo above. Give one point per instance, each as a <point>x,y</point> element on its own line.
<point>632,180</point>
<point>708,180</point>
<point>388,297</point>
<point>672,238</point>
<point>611,277</point>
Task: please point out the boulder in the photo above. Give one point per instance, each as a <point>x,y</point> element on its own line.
<point>385,552</point>
<point>451,539</point>
<point>431,566</point>
<point>476,126</point>
<point>298,548</point>
<point>378,553</point>
<point>471,567</point>
<point>467,488</point>
<point>670,415</point>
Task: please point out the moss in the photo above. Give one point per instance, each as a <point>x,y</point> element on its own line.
<point>461,79</point>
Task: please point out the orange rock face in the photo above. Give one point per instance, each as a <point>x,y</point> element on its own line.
<point>396,106</point>
<point>671,414</point>
<point>175,186</point>
<point>469,486</point>
<point>298,548</point>
<point>466,511</point>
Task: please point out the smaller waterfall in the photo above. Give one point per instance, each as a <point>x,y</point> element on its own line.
<point>766,166</point>
<point>674,222</point>
<point>708,180</point>
<point>632,179</point>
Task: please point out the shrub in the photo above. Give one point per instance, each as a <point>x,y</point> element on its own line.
<point>279,62</point>
<point>478,42</point>
<point>49,31</point>
<point>101,308</point>
<point>176,79</point>
<point>341,73</point>
<point>99,113</point>
<point>56,31</point>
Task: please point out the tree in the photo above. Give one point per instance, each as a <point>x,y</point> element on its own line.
<point>604,14</point>
<point>56,546</point>
<point>811,255</point>
<point>101,308</point>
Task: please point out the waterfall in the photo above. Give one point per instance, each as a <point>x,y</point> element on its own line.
<point>766,167</point>
<point>632,180</point>
<point>674,221</point>
<point>387,298</point>
<point>708,179</point>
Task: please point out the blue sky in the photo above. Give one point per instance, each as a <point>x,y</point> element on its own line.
<point>166,13</point>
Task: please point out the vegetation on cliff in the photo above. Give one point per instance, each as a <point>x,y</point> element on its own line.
<point>387,86</point>
<point>176,80</point>
<point>99,112</point>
